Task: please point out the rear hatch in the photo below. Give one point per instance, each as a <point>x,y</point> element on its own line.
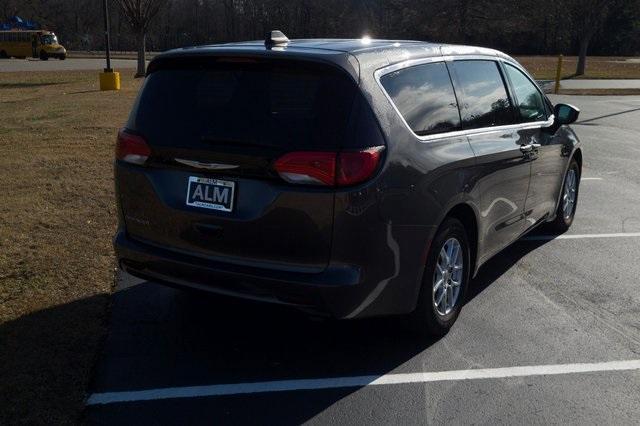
<point>214,128</point>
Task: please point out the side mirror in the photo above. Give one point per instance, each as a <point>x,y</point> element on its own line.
<point>565,114</point>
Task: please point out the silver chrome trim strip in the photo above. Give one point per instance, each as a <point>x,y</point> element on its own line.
<point>379,73</point>
<point>207,166</point>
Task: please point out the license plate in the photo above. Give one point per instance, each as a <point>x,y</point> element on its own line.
<point>211,194</point>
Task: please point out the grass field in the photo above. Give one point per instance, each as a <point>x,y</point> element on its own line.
<point>57,216</point>
<point>598,67</point>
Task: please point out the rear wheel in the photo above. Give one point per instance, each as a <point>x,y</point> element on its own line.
<point>568,199</point>
<point>444,281</point>
<point>44,56</point>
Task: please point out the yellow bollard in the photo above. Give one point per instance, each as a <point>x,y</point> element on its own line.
<point>558,75</point>
<point>109,80</point>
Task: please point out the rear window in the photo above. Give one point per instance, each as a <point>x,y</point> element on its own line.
<point>484,100</point>
<point>270,104</point>
<point>424,96</point>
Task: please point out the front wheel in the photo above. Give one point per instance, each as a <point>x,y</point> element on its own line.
<point>44,56</point>
<point>568,199</point>
<point>444,282</point>
<point>62,57</point>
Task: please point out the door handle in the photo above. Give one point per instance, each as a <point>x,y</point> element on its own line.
<point>526,148</point>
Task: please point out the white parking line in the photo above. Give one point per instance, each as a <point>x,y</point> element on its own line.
<point>580,236</point>
<point>357,381</point>
<point>590,178</point>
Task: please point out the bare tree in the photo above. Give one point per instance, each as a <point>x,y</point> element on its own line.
<point>588,17</point>
<point>140,13</point>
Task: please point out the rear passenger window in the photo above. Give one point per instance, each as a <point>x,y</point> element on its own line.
<point>483,97</point>
<point>424,96</point>
<point>528,98</point>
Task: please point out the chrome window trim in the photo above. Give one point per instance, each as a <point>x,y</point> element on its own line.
<point>379,73</point>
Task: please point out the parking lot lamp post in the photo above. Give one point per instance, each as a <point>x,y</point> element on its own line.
<point>109,80</point>
<point>106,35</point>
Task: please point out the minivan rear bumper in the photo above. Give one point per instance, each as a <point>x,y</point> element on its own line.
<point>333,292</point>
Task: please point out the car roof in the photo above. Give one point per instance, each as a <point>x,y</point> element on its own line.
<point>369,53</point>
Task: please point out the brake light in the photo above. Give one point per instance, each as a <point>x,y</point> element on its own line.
<point>307,167</point>
<point>132,148</point>
<point>328,168</point>
<point>357,166</point>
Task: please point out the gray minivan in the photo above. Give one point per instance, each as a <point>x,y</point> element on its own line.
<point>349,178</point>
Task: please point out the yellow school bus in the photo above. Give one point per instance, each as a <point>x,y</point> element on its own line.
<point>37,44</point>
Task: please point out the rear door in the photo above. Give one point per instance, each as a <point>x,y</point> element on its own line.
<point>503,171</point>
<point>215,127</point>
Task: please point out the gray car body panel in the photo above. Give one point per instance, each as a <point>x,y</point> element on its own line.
<point>382,229</point>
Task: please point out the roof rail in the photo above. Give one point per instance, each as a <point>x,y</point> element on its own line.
<point>275,38</point>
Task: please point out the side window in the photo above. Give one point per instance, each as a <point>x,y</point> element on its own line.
<point>528,99</point>
<point>483,97</point>
<point>424,96</point>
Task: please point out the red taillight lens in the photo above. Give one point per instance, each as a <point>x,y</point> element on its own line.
<point>307,167</point>
<point>357,166</point>
<point>132,148</point>
<point>328,168</point>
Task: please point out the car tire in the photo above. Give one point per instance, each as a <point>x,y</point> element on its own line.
<point>568,203</point>
<point>3,55</point>
<point>44,56</point>
<point>432,318</point>
<point>62,57</point>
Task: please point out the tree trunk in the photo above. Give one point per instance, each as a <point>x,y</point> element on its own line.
<point>582,55</point>
<point>140,42</point>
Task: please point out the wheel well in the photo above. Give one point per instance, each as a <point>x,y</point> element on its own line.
<point>578,156</point>
<point>466,215</point>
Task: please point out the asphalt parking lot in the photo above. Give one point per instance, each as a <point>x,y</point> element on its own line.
<point>544,303</point>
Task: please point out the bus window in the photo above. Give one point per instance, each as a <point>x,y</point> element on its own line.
<point>49,39</point>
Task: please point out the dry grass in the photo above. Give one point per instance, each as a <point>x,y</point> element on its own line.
<point>57,216</point>
<point>598,67</point>
<point>600,92</point>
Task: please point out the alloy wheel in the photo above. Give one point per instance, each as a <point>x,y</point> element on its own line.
<point>447,277</point>
<point>569,195</point>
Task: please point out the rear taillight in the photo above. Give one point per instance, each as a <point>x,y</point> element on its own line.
<point>132,148</point>
<point>329,168</point>
<point>357,166</point>
<point>307,167</point>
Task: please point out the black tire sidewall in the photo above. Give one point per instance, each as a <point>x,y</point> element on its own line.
<point>563,223</point>
<point>425,314</point>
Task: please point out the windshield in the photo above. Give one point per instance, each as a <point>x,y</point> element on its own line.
<point>290,105</point>
<point>49,39</point>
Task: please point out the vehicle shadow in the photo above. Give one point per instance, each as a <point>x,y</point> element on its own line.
<point>161,337</point>
<point>46,360</point>
<point>497,266</point>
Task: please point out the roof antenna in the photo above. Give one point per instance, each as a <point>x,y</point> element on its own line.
<point>275,38</point>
